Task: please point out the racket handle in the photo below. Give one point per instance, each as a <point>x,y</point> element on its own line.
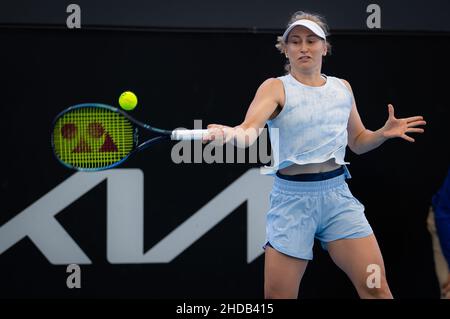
<point>188,134</point>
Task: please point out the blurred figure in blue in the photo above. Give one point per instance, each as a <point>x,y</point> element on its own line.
<point>439,227</point>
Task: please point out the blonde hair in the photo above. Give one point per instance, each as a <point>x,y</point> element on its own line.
<point>299,15</point>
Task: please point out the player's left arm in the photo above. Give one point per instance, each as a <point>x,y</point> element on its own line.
<point>362,140</point>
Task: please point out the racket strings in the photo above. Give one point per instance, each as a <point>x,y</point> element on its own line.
<point>91,137</point>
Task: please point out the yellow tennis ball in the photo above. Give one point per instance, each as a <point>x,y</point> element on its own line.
<point>128,100</point>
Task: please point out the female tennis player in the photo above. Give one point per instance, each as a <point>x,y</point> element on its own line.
<point>316,117</point>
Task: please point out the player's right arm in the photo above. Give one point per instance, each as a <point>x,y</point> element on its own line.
<point>268,97</point>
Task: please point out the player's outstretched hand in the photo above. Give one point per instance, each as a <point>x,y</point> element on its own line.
<point>395,127</point>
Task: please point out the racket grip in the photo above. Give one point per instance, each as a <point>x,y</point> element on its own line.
<point>188,134</point>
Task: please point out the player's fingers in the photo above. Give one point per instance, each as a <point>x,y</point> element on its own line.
<point>414,118</point>
<point>214,133</point>
<point>207,137</point>
<point>218,133</point>
<point>408,138</point>
<point>214,126</point>
<point>415,130</point>
<point>415,123</point>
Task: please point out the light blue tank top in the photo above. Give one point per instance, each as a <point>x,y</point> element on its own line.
<point>312,126</point>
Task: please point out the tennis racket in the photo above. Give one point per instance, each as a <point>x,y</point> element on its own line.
<point>94,137</point>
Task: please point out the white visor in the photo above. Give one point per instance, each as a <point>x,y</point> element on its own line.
<point>311,25</point>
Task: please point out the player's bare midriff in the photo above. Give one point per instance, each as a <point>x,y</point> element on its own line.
<point>295,169</point>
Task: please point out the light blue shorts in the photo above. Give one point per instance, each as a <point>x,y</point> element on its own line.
<point>303,210</point>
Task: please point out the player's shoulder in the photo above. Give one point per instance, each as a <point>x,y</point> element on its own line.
<point>344,83</point>
<point>272,84</point>
<point>272,87</point>
<point>347,84</point>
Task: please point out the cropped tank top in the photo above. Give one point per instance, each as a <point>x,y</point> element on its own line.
<point>312,125</point>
